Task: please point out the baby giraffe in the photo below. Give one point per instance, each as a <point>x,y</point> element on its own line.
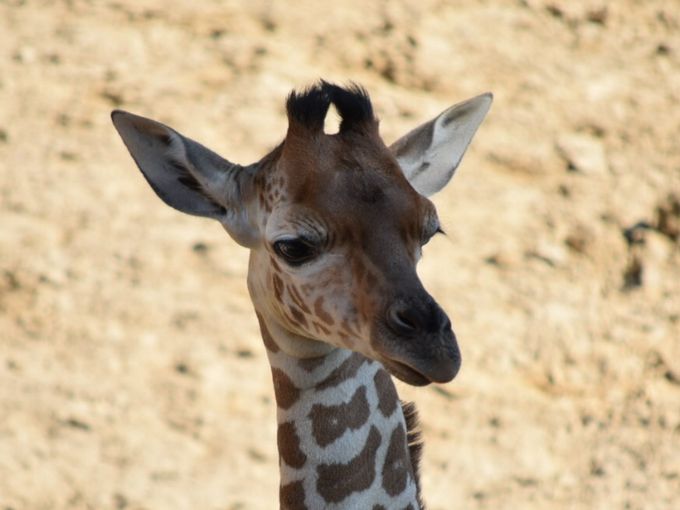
<point>335,224</point>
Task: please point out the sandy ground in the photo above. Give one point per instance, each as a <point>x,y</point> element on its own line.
<point>132,374</point>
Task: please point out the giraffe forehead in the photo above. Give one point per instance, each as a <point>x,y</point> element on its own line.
<point>313,163</point>
<point>354,199</point>
<point>352,177</point>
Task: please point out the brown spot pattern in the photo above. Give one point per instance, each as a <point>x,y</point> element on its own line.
<point>388,394</point>
<point>320,328</point>
<point>298,317</point>
<point>284,390</point>
<point>347,370</point>
<point>289,445</point>
<point>331,422</point>
<point>396,469</point>
<point>309,364</point>
<point>292,496</point>
<point>278,287</point>
<point>269,342</point>
<point>322,314</point>
<point>295,295</point>
<point>335,482</point>
<point>347,327</point>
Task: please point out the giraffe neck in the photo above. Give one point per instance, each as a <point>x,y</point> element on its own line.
<point>342,437</point>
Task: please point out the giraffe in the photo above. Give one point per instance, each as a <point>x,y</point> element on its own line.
<point>335,224</point>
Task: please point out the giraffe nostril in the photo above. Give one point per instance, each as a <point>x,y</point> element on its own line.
<point>402,320</point>
<point>407,318</point>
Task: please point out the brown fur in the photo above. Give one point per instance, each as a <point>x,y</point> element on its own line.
<point>415,442</point>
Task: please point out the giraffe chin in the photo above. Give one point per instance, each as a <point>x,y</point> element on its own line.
<point>405,373</point>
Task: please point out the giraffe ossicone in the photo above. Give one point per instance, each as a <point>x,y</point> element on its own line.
<point>335,224</point>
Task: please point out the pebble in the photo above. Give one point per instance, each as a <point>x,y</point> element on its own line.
<point>583,153</point>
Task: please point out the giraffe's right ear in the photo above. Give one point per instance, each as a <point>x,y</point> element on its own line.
<point>188,176</point>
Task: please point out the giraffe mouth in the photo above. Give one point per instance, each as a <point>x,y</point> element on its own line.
<point>439,365</point>
<point>405,373</point>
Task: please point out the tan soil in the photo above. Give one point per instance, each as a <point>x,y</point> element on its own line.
<point>132,375</point>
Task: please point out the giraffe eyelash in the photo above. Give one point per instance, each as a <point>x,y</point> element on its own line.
<point>428,238</point>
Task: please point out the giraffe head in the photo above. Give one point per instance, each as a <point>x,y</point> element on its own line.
<point>335,224</point>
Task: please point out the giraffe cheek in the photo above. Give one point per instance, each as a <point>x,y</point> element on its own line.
<point>321,312</point>
<point>298,317</point>
<point>277,285</point>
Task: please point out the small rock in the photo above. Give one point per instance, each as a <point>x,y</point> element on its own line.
<point>200,247</point>
<point>68,155</point>
<point>498,259</point>
<point>596,469</point>
<point>25,55</point>
<point>115,98</point>
<point>672,377</point>
<point>182,368</point>
<point>549,253</point>
<point>633,274</point>
<point>579,239</point>
<point>583,153</point>
<point>120,501</point>
<point>635,235</point>
<point>668,217</point>
<point>658,248</point>
<point>663,49</point>
<point>77,424</point>
<point>656,253</point>
<point>598,16</point>
<point>555,11</point>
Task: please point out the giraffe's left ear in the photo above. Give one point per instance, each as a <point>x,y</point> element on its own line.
<point>430,154</point>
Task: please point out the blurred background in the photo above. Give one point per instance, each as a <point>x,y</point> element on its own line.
<point>132,374</point>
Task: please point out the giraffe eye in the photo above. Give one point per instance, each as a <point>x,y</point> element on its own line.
<point>295,251</point>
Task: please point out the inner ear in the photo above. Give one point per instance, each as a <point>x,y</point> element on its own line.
<point>430,154</point>
<point>188,176</point>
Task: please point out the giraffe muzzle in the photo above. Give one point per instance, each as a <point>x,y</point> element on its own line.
<point>416,342</point>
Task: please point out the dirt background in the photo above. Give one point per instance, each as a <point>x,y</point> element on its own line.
<point>132,374</point>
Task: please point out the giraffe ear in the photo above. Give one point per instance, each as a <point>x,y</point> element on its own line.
<point>430,154</point>
<point>186,175</point>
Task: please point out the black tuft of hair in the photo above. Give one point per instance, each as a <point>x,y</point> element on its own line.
<point>414,441</point>
<point>352,103</point>
<point>310,106</point>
